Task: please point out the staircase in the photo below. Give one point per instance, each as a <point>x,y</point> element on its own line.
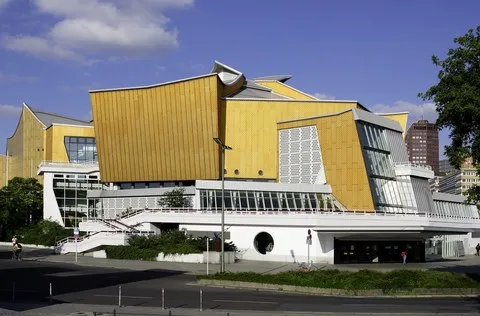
<point>93,241</point>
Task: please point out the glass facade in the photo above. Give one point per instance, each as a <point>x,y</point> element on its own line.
<point>264,200</point>
<point>389,193</point>
<point>71,195</point>
<point>81,149</point>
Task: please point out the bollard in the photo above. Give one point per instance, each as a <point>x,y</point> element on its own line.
<point>163,299</point>
<point>201,300</point>
<point>120,296</point>
<point>114,312</point>
<point>13,292</point>
<point>50,293</point>
<point>169,313</point>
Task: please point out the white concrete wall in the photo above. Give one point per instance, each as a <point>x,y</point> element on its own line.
<point>289,243</point>
<point>51,210</point>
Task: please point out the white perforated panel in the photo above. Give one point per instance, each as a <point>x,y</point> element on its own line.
<point>300,157</point>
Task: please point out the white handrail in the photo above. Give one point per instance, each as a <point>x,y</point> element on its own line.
<point>410,164</point>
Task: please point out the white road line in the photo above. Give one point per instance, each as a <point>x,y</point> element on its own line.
<point>251,302</point>
<point>126,296</point>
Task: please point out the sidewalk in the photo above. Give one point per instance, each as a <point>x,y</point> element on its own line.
<point>467,264</point>
<point>103,310</point>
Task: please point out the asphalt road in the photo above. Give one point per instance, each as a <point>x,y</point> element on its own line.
<point>93,285</point>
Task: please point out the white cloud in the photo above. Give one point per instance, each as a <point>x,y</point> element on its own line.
<point>323,96</point>
<point>4,3</point>
<point>426,111</point>
<point>87,28</point>
<point>7,110</point>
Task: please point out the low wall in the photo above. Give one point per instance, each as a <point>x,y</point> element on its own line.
<point>7,243</point>
<point>213,257</point>
<point>190,258</point>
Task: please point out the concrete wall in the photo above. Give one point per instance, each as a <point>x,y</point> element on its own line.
<point>289,243</point>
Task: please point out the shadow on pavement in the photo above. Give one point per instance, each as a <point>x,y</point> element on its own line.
<point>28,282</point>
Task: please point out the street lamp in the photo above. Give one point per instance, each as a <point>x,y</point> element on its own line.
<point>224,147</point>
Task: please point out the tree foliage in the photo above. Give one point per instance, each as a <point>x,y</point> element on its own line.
<point>457,97</point>
<point>174,198</point>
<point>21,204</point>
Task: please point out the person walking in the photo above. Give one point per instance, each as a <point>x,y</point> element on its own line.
<point>404,257</point>
<point>477,248</point>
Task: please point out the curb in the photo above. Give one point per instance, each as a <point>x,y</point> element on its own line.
<point>440,292</point>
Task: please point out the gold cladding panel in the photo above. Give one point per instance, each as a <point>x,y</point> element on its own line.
<point>26,147</point>
<point>343,159</point>
<point>159,133</point>
<point>251,131</point>
<point>55,143</point>
<point>401,118</point>
<point>34,145</point>
<point>3,170</point>
<point>285,90</point>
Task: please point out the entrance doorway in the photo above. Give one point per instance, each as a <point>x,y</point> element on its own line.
<point>378,251</point>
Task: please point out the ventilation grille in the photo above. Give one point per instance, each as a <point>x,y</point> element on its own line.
<point>300,158</point>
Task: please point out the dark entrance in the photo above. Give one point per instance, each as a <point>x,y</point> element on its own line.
<point>378,251</point>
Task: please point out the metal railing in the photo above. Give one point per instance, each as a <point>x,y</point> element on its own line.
<point>410,164</point>
<point>351,212</point>
<point>48,163</point>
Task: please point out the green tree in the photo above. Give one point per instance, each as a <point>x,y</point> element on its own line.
<point>457,97</point>
<point>174,198</point>
<point>21,204</point>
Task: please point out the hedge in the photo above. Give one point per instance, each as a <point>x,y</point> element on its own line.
<point>361,280</point>
<point>130,253</point>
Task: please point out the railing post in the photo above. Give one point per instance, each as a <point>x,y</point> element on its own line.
<point>120,296</point>
<point>163,299</point>
<point>50,292</point>
<point>201,300</point>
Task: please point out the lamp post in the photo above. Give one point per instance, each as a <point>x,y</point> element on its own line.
<point>223,147</point>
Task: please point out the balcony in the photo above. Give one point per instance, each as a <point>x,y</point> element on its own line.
<point>67,167</point>
<point>412,169</point>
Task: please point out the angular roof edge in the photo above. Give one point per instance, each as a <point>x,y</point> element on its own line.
<point>279,78</point>
<point>154,85</point>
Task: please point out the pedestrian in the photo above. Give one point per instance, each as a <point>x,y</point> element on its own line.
<point>478,250</point>
<point>404,257</point>
<point>17,250</point>
<point>14,240</point>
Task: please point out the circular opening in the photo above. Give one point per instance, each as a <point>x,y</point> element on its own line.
<point>263,243</point>
<point>236,171</point>
<point>260,172</point>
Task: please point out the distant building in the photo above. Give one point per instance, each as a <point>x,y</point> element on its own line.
<point>422,144</point>
<point>456,181</point>
<point>444,167</point>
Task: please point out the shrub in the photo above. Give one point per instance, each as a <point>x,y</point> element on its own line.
<point>362,280</point>
<point>174,242</point>
<point>130,253</point>
<point>45,233</point>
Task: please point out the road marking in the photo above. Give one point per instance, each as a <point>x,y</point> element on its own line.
<point>126,296</point>
<point>251,302</point>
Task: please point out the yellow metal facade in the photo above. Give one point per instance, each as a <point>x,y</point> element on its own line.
<point>342,157</point>
<point>163,132</point>
<point>3,170</point>
<point>251,130</point>
<point>285,90</point>
<point>26,148</point>
<point>401,118</point>
<point>55,140</point>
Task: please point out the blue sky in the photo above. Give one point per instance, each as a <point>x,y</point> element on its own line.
<point>377,52</point>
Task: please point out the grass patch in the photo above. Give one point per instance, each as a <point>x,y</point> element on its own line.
<point>392,281</point>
